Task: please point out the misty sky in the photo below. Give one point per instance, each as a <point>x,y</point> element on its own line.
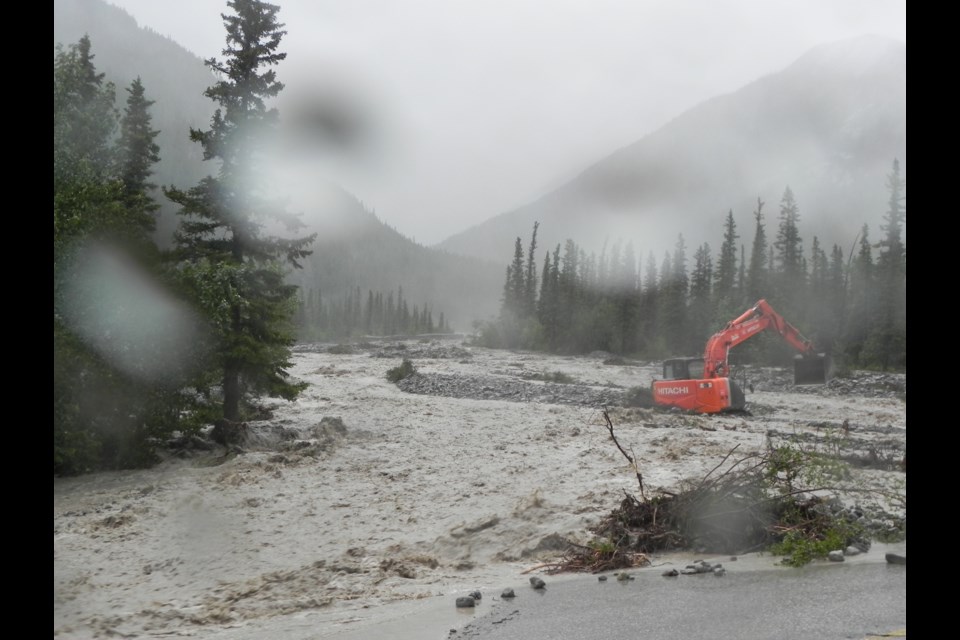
<point>470,109</point>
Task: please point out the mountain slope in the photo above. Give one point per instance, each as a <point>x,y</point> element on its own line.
<point>829,126</point>
<point>356,249</point>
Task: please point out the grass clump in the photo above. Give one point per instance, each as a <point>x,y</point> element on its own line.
<point>813,535</point>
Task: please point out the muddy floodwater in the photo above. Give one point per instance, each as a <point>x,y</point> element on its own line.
<point>363,495</point>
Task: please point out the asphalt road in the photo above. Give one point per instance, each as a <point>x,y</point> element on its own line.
<point>825,601</point>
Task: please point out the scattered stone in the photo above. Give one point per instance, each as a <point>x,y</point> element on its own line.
<point>476,595</point>
<point>537,583</point>
<point>835,556</point>
<point>672,573</point>
<point>896,558</point>
<point>623,577</point>
<point>719,571</point>
<point>700,566</point>
<point>851,551</point>
<point>508,593</point>
<point>465,602</point>
<point>733,558</point>
<point>602,578</point>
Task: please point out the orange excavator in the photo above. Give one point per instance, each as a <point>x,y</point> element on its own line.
<point>704,384</point>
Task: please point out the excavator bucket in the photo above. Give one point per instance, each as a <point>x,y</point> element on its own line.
<point>812,369</point>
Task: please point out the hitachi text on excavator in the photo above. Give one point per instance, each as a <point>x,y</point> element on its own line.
<point>704,384</point>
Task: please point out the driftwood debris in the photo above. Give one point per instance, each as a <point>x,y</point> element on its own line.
<point>742,504</point>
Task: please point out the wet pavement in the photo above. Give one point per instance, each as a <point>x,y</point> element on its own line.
<point>856,599</point>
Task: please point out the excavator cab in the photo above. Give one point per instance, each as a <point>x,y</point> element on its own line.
<point>814,368</point>
<point>683,369</point>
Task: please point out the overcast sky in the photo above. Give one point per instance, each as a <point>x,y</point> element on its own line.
<point>474,108</point>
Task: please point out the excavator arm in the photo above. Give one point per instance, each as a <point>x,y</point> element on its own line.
<point>760,317</point>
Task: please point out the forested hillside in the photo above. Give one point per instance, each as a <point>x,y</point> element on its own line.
<point>850,300</point>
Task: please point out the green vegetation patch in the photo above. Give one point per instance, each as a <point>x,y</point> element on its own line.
<point>405,370</point>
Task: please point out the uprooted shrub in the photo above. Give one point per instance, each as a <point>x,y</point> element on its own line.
<point>771,500</point>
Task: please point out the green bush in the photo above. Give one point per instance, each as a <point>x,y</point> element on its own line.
<point>405,370</point>
<point>805,544</point>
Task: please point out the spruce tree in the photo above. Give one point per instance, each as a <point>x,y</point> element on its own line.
<point>791,273</point>
<point>629,269</point>
<point>647,323</point>
<point>517,286</point>
<point>530,282</point>
<point>237,270</point>
<point>887,343</point>
<point>84,116</point>
<point>742,276</point>
<point>757,276</point>
<point>726,272</point>
<point>137,154</point>
<point>862,296</point>
<point>700,296</point>
<point>679,290</point>
<point>819,309</point>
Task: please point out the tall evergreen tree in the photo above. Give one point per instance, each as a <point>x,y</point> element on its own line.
<point>819,308</point>
<point>236,269</point>
<point>757,276</point>
<point>889,337</point>
<point>726,272</point>
<point>701,305</point>
<point>862,295</point>
<point>530,282</point>
<point>139,151</point>
<point>650,275</point>
<point>84,116</point>
<point>516,287</point>
<point>790,260</point>
<point>569,298</point>
<point>629,269</point>
<point>549,309</point>
<point>675,285</point>
<point>86,197</point>
<point>742,276</point>
<point>614,268</point>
